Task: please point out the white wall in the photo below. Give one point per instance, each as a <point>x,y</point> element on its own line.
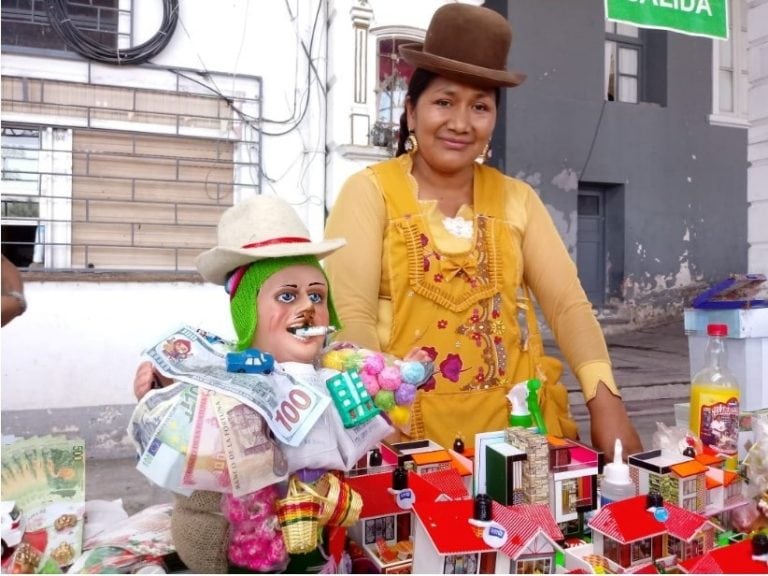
<point>79,343</point>
<point>757,151</point>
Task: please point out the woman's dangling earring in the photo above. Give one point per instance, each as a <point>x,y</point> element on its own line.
<point>411,144</point>
<point>485,154</point>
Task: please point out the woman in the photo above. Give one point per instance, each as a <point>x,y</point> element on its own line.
<point>439,247</point>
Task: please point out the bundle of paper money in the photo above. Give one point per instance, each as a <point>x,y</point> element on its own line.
<point>238,432</point>
<point>45,477</point>
<point>210,430</point>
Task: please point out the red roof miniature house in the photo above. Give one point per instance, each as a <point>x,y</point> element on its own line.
<point>629,534</point>
<point>384,528</point>
<point>444,541</point>
<point>732,559</point>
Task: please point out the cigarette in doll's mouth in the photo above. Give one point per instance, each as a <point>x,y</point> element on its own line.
<point>309,331</point>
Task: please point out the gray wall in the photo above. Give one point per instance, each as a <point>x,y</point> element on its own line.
<point>683,214</point>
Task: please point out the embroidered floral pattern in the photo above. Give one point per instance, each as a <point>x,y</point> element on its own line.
<point>450,368</point>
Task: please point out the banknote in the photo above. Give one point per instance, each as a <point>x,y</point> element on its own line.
<point>45,477</point>
<point>289,406</point>
<point>150,413</point>
<point>164,466</point>
<point>175,429</point>
<point>206,463</point>
<point>254,460</point>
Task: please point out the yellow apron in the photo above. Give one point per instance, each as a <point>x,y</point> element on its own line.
<point>460,307</point>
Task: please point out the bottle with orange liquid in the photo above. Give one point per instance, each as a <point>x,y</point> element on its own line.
<point>715,398</point>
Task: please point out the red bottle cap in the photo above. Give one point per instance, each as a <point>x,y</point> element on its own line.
<point>717,330</point>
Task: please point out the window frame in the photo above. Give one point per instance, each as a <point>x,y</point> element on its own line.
<point>739,69</point>
<point>122,35</point>
<point>397,34</point>
<point>614,38</point>
<point>54,196</point>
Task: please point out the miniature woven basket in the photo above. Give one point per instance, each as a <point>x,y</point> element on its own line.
<point>298,515</point>
<point>341,505</point>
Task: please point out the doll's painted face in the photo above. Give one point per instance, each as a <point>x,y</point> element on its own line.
<point>294,297</point>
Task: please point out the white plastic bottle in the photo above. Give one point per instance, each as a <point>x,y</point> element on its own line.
<point>616,483</point>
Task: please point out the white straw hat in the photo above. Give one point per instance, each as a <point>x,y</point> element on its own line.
<point>257,228</point>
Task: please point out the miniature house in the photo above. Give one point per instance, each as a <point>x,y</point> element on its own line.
<point>630,535</point>
<point>732,559</point>
<point>679,479</point>
<point>444,541</point>
<point>515,470</point>
<point>724,491</point>
<point>573,473</point>
<point>384,529</point>
<point>697,484</point>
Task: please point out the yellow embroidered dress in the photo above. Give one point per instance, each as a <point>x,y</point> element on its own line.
<point>404,281</point>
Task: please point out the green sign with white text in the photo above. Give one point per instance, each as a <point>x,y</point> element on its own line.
<point>697,17</point>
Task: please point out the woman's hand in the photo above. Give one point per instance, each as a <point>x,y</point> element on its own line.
<point>146,378</point>
<point>609,420</point>
<point>417,355</point>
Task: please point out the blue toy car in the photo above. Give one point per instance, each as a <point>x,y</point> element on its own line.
<point>250,361</point>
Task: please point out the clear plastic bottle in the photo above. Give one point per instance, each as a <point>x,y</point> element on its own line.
<point>715,398</point>
<point>616,483</point>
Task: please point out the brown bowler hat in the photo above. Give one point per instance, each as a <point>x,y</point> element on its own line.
<point>468,44</point>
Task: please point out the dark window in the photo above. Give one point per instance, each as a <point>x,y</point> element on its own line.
<point>25,23</point>
<point>635,64</point>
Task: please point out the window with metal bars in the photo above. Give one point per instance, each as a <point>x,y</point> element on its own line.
<point>136,179</point>
<point>25,23</point>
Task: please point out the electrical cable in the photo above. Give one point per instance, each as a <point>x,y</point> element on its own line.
<point>62,23</point>
<point>594,140</point>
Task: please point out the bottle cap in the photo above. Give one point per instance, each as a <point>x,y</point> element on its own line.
<point>717,330</point>
<point>617,472</point>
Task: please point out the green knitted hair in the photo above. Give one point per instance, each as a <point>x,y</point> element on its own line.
<point>243,306</point>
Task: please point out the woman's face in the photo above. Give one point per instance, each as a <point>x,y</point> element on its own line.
<point>453,122</point>
<point>294,297</point>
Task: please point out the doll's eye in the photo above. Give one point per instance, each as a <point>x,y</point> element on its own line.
<point>316,297</point>
<point>286,297</point>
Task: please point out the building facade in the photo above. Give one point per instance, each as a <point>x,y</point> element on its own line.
<point>114,175</point>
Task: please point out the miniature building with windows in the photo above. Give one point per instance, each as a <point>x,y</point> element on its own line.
<point>446,543</point>
<point>735,558</point>
<point>384,529</point>
<point>573,474</point>
<point>534,469</point>
<point>697,484</point>
<point>628,534</point>
<point>354,404</point>
<point>678,478</point>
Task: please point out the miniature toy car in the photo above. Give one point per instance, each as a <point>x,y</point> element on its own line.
<point>251,361</point>
<point>13,524</point>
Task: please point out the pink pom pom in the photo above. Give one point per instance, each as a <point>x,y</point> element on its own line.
<point>253,542</point>
<point>405,394</point>
<point>371,383</point>
<point>373,364</point>
<point>389,378</point>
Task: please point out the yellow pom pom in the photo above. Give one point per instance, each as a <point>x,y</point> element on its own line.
<point>399,415</point>
<point>334,360</point>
